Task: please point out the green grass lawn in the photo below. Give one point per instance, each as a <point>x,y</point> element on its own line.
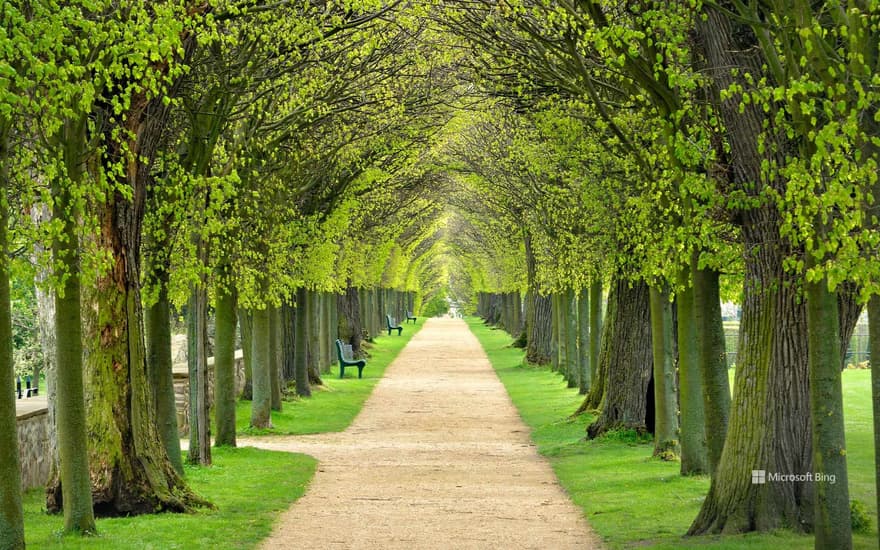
<point>632,499</point>
<point>249,488</point>
<point>333,406</point>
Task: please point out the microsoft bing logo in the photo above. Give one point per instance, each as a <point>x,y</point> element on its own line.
<point>759,477</point>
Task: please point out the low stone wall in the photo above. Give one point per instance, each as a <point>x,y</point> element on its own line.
<point>33,448</point>
<point>181,388</point>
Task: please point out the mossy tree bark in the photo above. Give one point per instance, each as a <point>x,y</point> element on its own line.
<point>694,453</point>
<point>324,333</point>
<point>11,517</point>
<point>665,406</point>
<point>600,343</point>
<point>261,405</point>
<point>583,344</point>
<point>832,525</point>
<point>769,426</point>
<point>157,320</point>
<point>288,342</point>
<point>630,363</point>
<point>301,356</point>
<point>224,369</point>
<point>72,485</point>
<point>595,325</point>
<point>713,361</point>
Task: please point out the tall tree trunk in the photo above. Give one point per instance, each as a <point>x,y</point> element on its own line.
<point>694,454</point>
<point>583,344</point>
<point>665,417</point>
<point>11,517</point>
<point>261,405</point>
<point>629,358</point>
<point>246,326</point>
<point>303,388</point>
<point>555,355</point>
<point>350,322</point>
<point>874,343</point>
<point>224,369</point>
<point>833,528</point>
<point>540,333</point>
<point>157,320</point>
<point>72,486</point>
<point>769,426</point>
<point>313,311</point>
<point>197,360</point>
<point>595,326</point>
<point>275,357</point>
<point>713,361</point>
<point>571,323</point>
<point>324,333</point>
<point>288,337</point>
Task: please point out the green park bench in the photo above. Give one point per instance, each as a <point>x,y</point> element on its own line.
<point>346,359</point>
<point>410,317</point>
<point>391,324</point>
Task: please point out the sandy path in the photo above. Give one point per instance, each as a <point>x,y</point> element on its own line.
<point>437,458</point>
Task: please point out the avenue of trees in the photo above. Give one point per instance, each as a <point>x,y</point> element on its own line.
<point>592,176</point>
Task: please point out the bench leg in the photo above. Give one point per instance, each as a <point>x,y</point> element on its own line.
<point>399,331</point>
<point>360,372</point>
<point>341,371</point>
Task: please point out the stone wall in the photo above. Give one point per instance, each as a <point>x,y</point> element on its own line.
<point>33,448</point>
<point>181,388</point>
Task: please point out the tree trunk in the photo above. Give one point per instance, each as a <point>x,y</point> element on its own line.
<point>833,528</point>
<point>629,360</point>
<point>313,311</point>
<point>583,344</point>
<point>571,323</point>
<point>555,352</point>
<point>303,388</point>
<point>157,319</point>
<point>324,332</point>
<point>349,325</point>
<point>540,334</point>
<point>224,369</point>
<point>45,302</point>
<point>288,341</point>
<point>275,358</point>
<point>694,454</point>
<point>197,360</point>
<point>874,342</point>
<point>600,342</point>
<point>665,417</point>
<point>246,326</point>
<point>713,361</point>
<point>769,425</point>
<point>72,486</point>
<point>261,405</point>
<point>11,517</point>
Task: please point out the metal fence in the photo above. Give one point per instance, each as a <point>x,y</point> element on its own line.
<point>856,353</point>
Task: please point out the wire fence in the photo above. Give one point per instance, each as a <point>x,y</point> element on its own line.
<point>856,354</point>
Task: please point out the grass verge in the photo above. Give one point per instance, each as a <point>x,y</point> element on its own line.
<point>631,499</point>
<point>334,405</point>
<point>249,487</point>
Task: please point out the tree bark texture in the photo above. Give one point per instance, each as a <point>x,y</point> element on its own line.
<point>224,369</point>
<point>313,310</point>
<point>713,361</point>
<point>261,405</point>
<point>832,525</point>
<point>301,356</point>
<point>665,413</point>
<point>11,516</point>
<point>585,375</point>
<point>630,363</point>
<point>694,453</point>
<point>769,427</point>
<point>197,360</point>
<point>275,358</point>
<point>874,343</point>
<point>350,327</point>
<point>600,343</point>
<point>572,365</point>
<point>157,319</point>
<point>539,331</point>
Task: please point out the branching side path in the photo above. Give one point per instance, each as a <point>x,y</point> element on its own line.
<point>437,458</point>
